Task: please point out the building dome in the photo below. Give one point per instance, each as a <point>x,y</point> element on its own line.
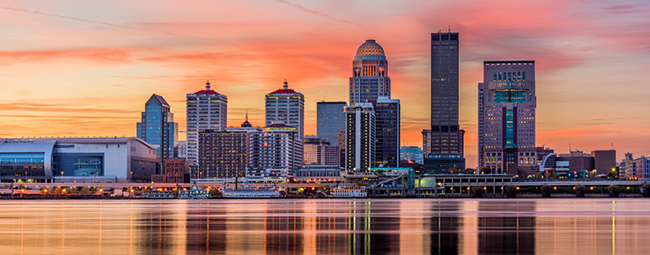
<point>370,50</point>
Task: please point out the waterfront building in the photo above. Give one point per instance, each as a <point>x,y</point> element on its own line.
<point>643,168</point>
<point>330,120</point>
<point>387,128</point>
<point>286,106</point>
<point>360,137</point>
<point>126,159</point>
<point>206,109</point>
<point>369,79</point>
<point>508,128</point>
<point>223,154</point>
<point>445,138</point>
<point>604,160</point>
<point>411,153</point>
<point>275,152</point>
<point>157,127</point>
<point>176,171</point>
<point>318,174</point>
<point>628,168</point>
<point>320,152</point>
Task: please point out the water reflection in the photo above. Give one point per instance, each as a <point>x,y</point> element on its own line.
<point>412,226</point>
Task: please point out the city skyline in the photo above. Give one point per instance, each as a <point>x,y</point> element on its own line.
<point>97,64</point>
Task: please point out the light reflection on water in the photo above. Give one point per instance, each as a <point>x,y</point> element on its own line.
<point>334,226</point>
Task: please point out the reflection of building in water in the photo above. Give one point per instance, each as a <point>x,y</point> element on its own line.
<point>444,227</point>
<point>596,231</point>
<point>502,234</point>
<point>468,235</point>
<point>413,230</point>
<point>157,230</point>
<point>205,229</point>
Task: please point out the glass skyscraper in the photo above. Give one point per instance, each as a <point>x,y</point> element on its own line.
<point>387,112</point>
<point>330,120</point>
<point>158,127</point>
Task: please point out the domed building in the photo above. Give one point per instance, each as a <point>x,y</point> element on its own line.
<point>369,73</point>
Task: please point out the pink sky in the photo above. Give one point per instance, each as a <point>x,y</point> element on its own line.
<point>68,69</point>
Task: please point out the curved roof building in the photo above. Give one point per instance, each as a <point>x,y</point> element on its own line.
<point>369,79</point>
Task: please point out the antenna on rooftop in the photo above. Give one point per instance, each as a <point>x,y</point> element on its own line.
<point>286,85</point>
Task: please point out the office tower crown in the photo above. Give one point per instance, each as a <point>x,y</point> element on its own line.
<point>370,50</point>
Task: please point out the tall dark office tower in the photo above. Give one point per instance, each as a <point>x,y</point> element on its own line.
<point>330,120</point>
<point>446,143</point>
<point>387,128</point>
<point>369,73</point>
<point>360,137</point>
<point>508,128</point>
<point>481,132</point>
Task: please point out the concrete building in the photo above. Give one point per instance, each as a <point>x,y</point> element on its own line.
<point>387,128</point>
<point>318,174</point>
<point>604,160</point>
<point>286,106</point>
<point>206,109</point>
<point>330,120</point>
<point>181,150</point>
<point>320,152</point>
<point>275,152</point>
<point>369,79</point>
<point>628,168</point>
<point>411,153</point>
<point>360,137</point>
<point>223,155</point>
<point>77,159</point>
<point>158,128</point>
<point>643,168</point>
<point>508,128</point>
<point>481,122</point>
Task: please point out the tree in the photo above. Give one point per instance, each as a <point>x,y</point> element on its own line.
<point>486,170</point>
<point>611,175</point>
<point>468,171</point>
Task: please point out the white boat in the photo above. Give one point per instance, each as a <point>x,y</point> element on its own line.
<point>349,192</point>
<point>159,194</point>
<point>194,193</point>
<point>245,191</point>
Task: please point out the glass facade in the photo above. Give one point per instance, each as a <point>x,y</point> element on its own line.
<point>158,127</point>
<point>88,167</point>
<point>29,164</point>
<point>387,112</point>
<point>330,120</point>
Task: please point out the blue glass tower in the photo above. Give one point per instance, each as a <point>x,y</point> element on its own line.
<point>330,120</point>
<point>158,127</point>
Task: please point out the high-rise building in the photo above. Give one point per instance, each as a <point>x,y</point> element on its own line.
<point>157,127</point>
<point>275,152</point>
<point>444,146</point>
<point>604,160</point>
<point>642,168</point>
<point>508,128</point>
<point>628,168</point>
<point>206,109</point>
<point>286,106</point>
<point>330,120</point>
<point>320,152</point>
<point>387,128</point>
<point>369,73</point>
<point>481,134</point>
<point>360,137</point>
<point>222,154</point>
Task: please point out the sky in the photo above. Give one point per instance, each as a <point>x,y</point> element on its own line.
<point>75,68</point>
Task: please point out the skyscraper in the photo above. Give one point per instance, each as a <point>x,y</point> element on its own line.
<point>387,128</point>
<point>445,137</point>
<point>481,132</point>
<point>508,130</point>
<point>206,109</point>
<point>286,106</point>
<point>275,152</point>
<point>360,137</point>
<point>369,73</point>
<point>330,120</point>
<point>157,127</point>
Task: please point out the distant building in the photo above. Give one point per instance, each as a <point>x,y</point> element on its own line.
<point>369,79</point>
<point>508,128</point>
<point>275,152</point>
<point>481,123</point>
<point>77,160</point>
<point>206,109</point>
<point>413,153</point>
<point>426,142</point>
<point>181,149</point>
<point>157,127</point>
<point>330,120</point>
<point>643,168</point>
<point>176,171</point>
<point>628,168</point>
<point>320,152</point>
<point>387,131</point>
<point>360,137</point>
<point>286,106</point>
<point>223,154</point>
<point>443,163</point>
<point>604,160</point>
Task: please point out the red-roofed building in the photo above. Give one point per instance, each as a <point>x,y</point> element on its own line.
<point>286,106</point>
<point>206,109</point>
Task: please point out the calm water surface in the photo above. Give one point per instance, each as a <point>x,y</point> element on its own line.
<point>334,226</point>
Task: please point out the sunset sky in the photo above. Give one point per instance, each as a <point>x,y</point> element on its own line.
<point>71,68</point>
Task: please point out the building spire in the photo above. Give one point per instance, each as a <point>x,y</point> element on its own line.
<point>247,115</point>
<point>207,85</point>
<point>286,85</point>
